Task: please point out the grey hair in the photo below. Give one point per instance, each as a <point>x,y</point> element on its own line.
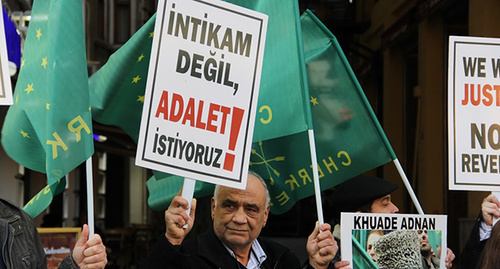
<point>250,172</point>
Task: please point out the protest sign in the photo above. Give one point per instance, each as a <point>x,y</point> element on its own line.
<point>5,85</point>
<point>202,91</point>
<point>473,103</point>
<point>408,235</point>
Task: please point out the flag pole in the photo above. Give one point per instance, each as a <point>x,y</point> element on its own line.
<point>90,197</point>
<point>188,193</point>
<point>408,186</point>
<point>317,188</point>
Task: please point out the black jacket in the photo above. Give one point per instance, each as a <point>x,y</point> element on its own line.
<point>20,244</point>
<point>207,251</point>
<point>469,258</point>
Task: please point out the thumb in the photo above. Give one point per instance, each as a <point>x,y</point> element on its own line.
<point>315,232</point>
<point>84,236</point>
<point>193,209</point>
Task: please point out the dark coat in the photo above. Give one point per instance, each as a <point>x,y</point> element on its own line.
<point>207,251</point>
<point>20,243</point>
<point>469,258</point>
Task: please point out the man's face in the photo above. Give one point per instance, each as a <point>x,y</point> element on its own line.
<point>239,215</point>
<point>424,241</point>
<point>384,205</point>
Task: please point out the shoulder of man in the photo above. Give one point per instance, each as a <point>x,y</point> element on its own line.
<point>7,208</point>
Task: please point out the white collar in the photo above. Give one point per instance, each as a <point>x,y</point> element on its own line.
<point>256,258</point>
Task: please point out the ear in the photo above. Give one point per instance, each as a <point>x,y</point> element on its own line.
<point>213,208</point>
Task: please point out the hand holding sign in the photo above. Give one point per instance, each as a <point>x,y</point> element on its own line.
<point>490,209</point>
<point>176,217</point>
<point>321,246</point>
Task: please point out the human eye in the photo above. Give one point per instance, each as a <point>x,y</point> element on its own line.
<point>229,206</point>
<point>252,211</point>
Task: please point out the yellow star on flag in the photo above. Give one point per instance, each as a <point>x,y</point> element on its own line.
<point>17,98</point>
<point>24,134</point>
<point>151,34</point>
<point>140,58</point>
<point>44,63</point>
<point>47,106</point>
<point>136,79</point>
<point>22,63</point>
<point>314,101</point>
<point>38,33</point>
<point>140,98</point>
<point>29,88</point>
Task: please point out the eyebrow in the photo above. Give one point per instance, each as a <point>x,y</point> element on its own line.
<point>228,202</point>
<point>248,205</point>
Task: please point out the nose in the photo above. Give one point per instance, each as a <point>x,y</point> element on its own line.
<point>239,216</point>
<point>394,209</point>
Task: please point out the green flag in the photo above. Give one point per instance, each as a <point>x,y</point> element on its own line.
<point>281,109</point>
<point>49,127</point>
<point>349,139</point>
<point>42,200</point>
<point>117,89</point>
<point>117,93</point>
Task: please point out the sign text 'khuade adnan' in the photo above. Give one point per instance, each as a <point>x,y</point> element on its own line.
<point>202,91</point>
<point>396,242</point>
<point>367,222</point>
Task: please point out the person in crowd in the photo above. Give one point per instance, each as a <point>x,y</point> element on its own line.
<point>22,247</point>
<point>367,194</point>
<point>238,217</point>
<point>490,210</point>
<point>429,259</point>
<point>373,237</point>
<point>489,257</point>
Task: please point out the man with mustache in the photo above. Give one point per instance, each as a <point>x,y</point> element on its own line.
<point>238,217</point>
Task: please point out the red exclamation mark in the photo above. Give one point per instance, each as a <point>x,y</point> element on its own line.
<point>233,137</point>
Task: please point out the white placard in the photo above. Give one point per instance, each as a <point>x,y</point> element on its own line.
<point>202,91</point>
<point>474,113</point>
<point>5,85</point>
<point>356,227</point>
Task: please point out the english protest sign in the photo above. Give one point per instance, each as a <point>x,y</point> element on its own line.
<point>202,91</point>
<point>473,113</point>
<point>392,240</point>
